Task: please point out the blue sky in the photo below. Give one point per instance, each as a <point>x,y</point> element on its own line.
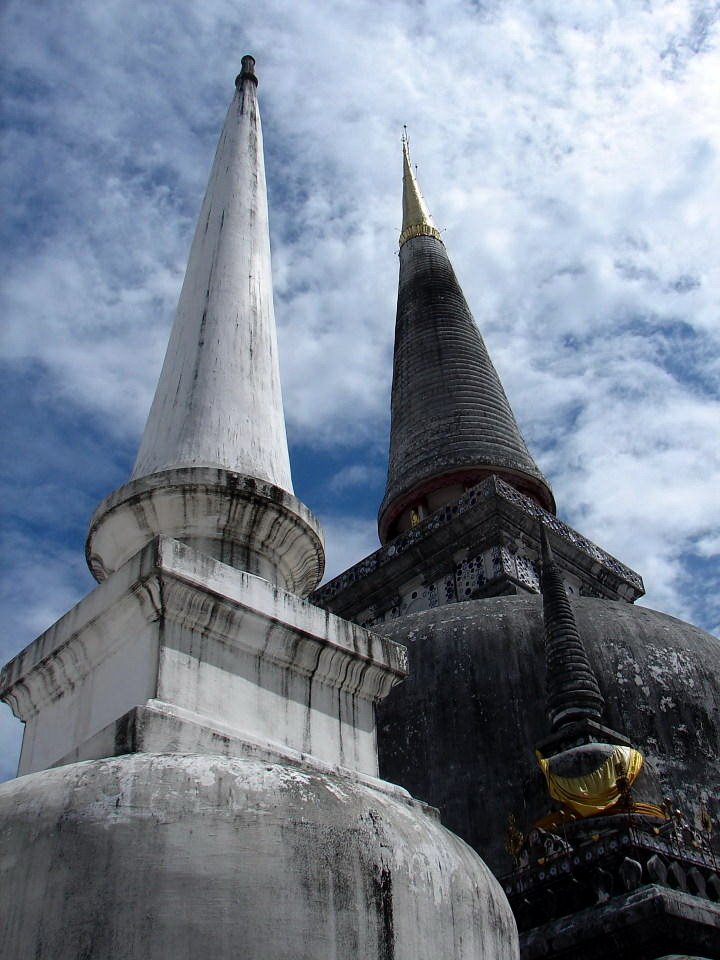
<point>570,153</point>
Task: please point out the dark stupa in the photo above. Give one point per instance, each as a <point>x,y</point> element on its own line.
<point>451,422</point>
<point>570,736</point>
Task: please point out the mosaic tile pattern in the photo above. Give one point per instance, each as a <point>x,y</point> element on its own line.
<point>450,591</point>
<point>469,576</point>
<point>430,595</point>
<point>527,572</point>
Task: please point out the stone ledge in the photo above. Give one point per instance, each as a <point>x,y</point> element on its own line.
<point>138,583</point>
<point>651,918</point>
<point>145,729</point>
<point>242,521</point>
<point>473,522</point>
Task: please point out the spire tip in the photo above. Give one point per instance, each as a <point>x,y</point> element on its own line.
<point>247,72</point>
<point>416,217</point>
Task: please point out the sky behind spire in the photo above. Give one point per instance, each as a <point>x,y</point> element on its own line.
<point>568,152</point>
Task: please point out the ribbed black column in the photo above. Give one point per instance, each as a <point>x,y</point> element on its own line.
<point>449,411</point>
<point>572,691</point>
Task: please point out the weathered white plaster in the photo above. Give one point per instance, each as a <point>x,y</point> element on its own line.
<point>175,626</point>
<point>218,400</point>
<point>213,467</point>
<point>185,857</point>
<point>154,726</point>
<point>244,522</point>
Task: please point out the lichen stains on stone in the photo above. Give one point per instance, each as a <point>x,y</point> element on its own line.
<point>383,895</point>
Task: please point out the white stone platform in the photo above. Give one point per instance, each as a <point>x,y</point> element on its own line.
<point>177,652</point>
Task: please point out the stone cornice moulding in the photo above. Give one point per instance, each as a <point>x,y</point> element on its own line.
<point>466,523</point>
<point>170,581</point>
<point>303,637</point>
<point>59,659</point>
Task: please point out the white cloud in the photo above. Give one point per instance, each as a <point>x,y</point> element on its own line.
<point>355,475</point>
<point>348,539</point>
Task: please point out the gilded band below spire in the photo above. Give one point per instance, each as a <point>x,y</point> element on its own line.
<point>420,230</point>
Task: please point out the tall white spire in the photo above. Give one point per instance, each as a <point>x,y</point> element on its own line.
<point>218,400</point>
<point>213,469</point>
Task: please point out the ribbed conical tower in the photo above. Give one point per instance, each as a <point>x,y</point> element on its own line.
<point>213,467</point>
<point>572,691</point>
<point>451,422</point>
<point>588,767</point>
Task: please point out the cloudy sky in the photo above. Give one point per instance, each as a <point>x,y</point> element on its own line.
<point>568,150</point>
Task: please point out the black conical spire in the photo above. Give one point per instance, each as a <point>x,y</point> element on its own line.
<point>451,422</point>
<point>588,767</point>
<point>572,691</point>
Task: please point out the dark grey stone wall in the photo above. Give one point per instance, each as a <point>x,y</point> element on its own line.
<point>460,732</point>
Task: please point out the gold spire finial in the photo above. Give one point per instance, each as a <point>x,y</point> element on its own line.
<point>416,216</point>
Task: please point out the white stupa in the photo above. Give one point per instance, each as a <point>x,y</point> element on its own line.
<point>198,773</point>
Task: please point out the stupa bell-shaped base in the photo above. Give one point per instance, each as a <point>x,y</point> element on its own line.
<point>159,856</point>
